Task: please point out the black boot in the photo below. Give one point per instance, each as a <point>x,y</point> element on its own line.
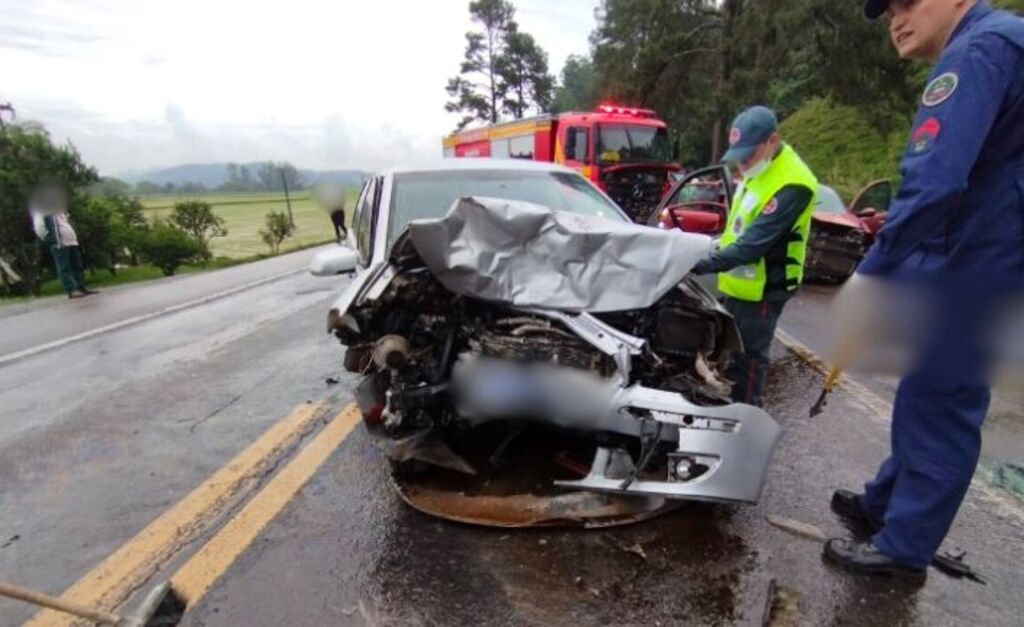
<point>866,559</point>
<point>846,504</point>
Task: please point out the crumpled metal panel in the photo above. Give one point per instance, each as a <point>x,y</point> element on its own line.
<point>740,438</point>
<point>576,509</point>
<point>526,255</point>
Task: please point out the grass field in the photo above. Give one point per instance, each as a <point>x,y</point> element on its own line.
<point>244,216</point>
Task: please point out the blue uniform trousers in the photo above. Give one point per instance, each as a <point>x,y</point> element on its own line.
<point>936,434</point>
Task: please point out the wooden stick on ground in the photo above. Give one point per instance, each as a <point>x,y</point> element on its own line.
<point>38,598</point>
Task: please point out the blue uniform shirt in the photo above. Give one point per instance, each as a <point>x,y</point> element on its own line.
<point>960,209</point>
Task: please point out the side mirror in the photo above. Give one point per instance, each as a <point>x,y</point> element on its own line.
<point>332,262</point>
<point>694,221</point>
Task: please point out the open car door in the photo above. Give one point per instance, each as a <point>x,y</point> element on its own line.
<point>698,203</point>
<point>871,205</point>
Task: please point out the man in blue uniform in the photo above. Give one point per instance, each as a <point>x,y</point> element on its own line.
<point>955,233</point>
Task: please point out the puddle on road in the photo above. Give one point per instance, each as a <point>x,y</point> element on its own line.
<point>682,568</point>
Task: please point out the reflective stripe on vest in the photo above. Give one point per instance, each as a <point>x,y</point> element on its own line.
<point>748,282</point>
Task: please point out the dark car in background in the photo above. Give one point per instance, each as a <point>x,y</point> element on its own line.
<point>840,233</point>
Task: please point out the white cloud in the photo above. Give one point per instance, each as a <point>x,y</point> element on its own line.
<point>138,83</point>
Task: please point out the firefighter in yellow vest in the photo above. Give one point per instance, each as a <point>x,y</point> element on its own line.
<point>760,259</point>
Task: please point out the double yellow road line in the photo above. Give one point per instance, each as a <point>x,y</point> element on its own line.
<point>132,565</point>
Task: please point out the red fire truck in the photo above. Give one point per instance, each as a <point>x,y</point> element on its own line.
<point>625,151</point>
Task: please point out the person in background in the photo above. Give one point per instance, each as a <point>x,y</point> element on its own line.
<point>48,206</point>
<point>330,195</point>
<point>338,220</point>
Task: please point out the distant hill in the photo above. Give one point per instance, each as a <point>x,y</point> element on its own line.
<point>213,174</point>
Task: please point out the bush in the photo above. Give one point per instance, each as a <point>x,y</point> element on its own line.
<point>27,157</point>
<point>843,145</point>
<point>197,218</point>
<point>279,228</point>
<point>168,247</point>
<point>93,220</point>
<point>129,227</point>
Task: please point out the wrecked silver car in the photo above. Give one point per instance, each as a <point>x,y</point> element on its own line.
<point>480,319</point>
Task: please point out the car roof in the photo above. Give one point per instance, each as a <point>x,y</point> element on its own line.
<point>462,164</point>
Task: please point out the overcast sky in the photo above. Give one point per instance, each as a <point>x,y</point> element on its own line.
<point>324,84</point>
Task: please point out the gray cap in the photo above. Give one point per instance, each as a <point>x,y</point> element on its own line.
<point>749,130</point>
<point>875,8</point>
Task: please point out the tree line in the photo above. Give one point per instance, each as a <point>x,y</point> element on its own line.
<point>819,63</point>
<point>269,176</point>
<point>110,221</point>
<point>504,72</point>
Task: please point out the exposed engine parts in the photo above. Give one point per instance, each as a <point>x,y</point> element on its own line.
<point>499,327</point>
<point>436,362</point>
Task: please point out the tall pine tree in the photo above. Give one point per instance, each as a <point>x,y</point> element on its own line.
<point>523,76</point>
<point>478,91</point>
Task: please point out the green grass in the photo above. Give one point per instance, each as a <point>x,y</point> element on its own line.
<point>133,274</point>
<point>238,198</point>
<point>244,216</point>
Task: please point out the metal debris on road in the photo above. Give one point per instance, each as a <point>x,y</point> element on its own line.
<point>781,607</point>
<point>952,563</point>
<point>574,509</point>
<point>826,389</point>
<point>635,549</point>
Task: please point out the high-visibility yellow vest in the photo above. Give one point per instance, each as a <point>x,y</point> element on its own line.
<point>748,282</point>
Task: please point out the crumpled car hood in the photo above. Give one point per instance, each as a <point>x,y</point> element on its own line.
<point>527,255</point>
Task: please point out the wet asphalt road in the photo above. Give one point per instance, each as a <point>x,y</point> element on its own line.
<point>1004,426</point>
<point>101,436</point>
<point>348,552</point>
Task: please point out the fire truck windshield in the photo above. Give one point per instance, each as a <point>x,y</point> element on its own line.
<point>632,143</point>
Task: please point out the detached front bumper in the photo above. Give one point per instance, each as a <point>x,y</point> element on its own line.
<point>718,453</point>
<point>732,445</point>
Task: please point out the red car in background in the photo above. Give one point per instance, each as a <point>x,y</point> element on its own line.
<point>840,234</point>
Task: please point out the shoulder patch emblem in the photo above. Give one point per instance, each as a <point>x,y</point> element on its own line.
<point>925,135</point>
<point>737,225</point>
<point>940,89</point>
<point>734,136</point>
<point>770,208</point>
